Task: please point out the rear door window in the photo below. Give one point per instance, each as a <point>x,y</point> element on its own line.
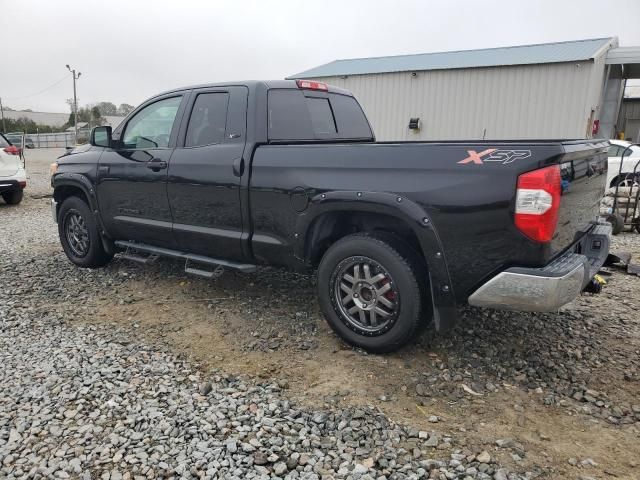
<point>208,121</point>
<point>294,115</point>
<point>614,151</point>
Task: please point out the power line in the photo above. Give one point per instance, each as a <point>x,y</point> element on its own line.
<point>41,91</point>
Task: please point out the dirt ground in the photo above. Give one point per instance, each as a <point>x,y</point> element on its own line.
<point>268,325</point>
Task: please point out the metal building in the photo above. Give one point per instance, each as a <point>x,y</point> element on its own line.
<point>554,90</point>
<point>629,118</point>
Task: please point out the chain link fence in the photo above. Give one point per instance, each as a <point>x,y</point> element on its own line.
<point>58,140</point>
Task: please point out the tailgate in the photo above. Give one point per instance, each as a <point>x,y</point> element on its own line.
<point>584,171</point>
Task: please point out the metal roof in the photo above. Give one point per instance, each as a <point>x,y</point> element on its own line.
<point>628,57</point>
<point>622,55</point>
<point>489,57</point>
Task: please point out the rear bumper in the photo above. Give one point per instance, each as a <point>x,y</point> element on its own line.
<point>548,288</point>
<point>10,185</point>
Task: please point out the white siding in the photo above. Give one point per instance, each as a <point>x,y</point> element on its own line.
<point>530,101</point>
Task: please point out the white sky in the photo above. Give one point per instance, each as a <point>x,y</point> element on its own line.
<point>130,50</point>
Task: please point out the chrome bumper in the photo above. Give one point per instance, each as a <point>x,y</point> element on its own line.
<point>546,289</point>
<point>54,210</point>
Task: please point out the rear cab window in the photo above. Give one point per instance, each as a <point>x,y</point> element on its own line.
<point>301,115</point>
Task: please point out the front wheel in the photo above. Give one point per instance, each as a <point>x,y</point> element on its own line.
<point>79,234</point>
<point>371,292</point>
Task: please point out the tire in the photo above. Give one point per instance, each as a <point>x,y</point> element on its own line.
<point>625,180</point>
<point>14,197</point>
<point>617,223</point>
<point>79,234</point>
<point>360,321</point>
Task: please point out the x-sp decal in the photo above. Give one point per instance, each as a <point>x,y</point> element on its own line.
<point>494,155</point>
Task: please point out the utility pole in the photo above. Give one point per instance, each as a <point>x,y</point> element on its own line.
<point>75,103</point>
<point>4,127</point>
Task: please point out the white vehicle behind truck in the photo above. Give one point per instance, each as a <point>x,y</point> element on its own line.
<point>13,176</point>
<point>617,149</point>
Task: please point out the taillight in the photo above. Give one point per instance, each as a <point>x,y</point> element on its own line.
<point>12,150</point>
<point>310,85</point>
<point>538,203</point>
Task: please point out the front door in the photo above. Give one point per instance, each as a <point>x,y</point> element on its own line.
<point>132,176</point>
<point>205,173</point>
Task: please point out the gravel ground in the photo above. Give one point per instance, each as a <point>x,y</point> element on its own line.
<point>131,372</point>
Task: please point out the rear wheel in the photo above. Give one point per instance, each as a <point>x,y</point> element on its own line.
<point>79,234</point>
<point>13,198</point>
<point>625,180</point>
<point>371,290</point>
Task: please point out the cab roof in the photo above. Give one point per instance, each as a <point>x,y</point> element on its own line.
<point>252,85</point>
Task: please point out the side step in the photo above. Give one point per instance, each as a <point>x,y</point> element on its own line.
<point>155,252</point>
<point>218,271</point>
<point>127,255</point>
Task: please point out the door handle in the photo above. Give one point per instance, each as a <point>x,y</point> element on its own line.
<point>156,165</point>
<point>238,167</point>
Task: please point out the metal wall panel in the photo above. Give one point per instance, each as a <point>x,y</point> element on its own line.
<point>630,109</point>
<point>529,101</point>
<point>629,118</point>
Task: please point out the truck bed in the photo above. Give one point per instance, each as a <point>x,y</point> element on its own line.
<point>468,196</point>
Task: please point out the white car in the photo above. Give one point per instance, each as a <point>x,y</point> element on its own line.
<point>13,177</point>
<point>631,158</point>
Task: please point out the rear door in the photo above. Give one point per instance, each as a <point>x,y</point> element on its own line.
<point>205,173</point>
<point>132,176</point>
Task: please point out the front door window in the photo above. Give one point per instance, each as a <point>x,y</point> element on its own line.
<point>151,126</point>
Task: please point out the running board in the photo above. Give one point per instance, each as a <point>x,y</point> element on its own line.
<point>127,255</point>
<point>217,272</point>
<point>188,257</point>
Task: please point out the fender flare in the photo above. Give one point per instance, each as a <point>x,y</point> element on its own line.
<point>442,293</point>
<point>84,184</point>
<point>79,181</point>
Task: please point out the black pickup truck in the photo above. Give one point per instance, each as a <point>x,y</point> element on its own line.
<point>288,173</point>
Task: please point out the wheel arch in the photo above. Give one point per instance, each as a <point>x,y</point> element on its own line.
<point>66,185</point>
<point>71,184</point>
<point>333,215</point>
<point>624,176</point>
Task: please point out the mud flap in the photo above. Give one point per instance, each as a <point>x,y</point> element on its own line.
<point>445,310</point>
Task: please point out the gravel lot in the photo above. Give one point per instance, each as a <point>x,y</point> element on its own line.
<point>143,372</point>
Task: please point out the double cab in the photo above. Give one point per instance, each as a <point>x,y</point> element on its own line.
<point>288,173</point>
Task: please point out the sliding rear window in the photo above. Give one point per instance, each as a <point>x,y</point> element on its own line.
<point>299,115</point>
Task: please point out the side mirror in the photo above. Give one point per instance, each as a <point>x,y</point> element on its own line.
<point>101,136</point>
